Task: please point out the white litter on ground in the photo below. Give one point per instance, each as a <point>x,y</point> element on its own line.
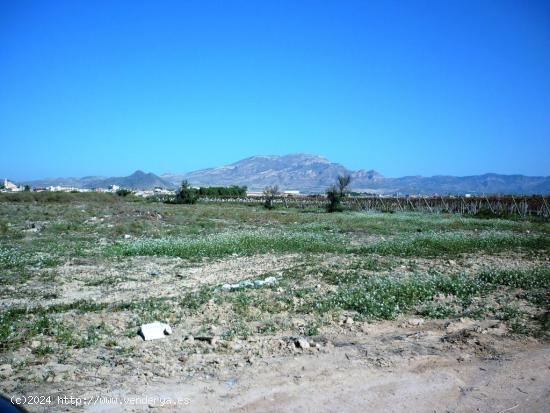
<point>154,331</point>
<point>250,283</point>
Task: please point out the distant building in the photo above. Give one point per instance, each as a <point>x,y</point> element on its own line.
<point>10,186</point>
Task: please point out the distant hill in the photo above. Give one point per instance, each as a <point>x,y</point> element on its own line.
<point>312,173</point>
<point>298,171</point>
<point>138,180</point>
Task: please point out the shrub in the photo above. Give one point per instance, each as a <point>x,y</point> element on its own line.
<point>336,193</point>
<point>270,193</point>
<point>123,192</point>
<point>334,200</point>
<point>186,194</point>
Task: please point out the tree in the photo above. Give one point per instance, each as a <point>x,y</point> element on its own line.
<point>270,193</point>
<point>186,194</point>
<point>343,183</point>
<point>123,192</point>
<point>336,193</point>
<point>27,188</point>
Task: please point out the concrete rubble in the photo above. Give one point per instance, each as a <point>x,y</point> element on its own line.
<point>154,331</point>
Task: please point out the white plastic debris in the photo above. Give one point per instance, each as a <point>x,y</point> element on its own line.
<point>250,283</point>
<point>154,331</point>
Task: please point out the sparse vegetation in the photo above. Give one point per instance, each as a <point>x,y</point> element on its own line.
<point>82,272</point>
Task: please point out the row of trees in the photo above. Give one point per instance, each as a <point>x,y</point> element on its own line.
<point>223,191</point>
<point>186,194</point>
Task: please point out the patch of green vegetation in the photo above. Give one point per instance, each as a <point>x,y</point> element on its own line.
<point>538,277</point>
<point>57,197</point>
<point>268,327</point>
<point>238,328</point>
<point>312,329</point>
<point>11,258</point>
<point>194,300</point>
<point>517,319</point>
<point>219,245</point>
<point>388,297</point>
<point>433,245</point>
<point>43,350</point>
<point>148,310</point>
<point>241,303</point>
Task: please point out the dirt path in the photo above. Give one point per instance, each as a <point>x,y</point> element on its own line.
<point>347,379</point>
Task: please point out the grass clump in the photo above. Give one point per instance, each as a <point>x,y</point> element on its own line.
<point>194,300</point>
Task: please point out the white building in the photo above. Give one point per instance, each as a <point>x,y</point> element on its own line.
<point>10,186</point>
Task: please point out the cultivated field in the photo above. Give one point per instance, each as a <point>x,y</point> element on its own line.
<point>369,311</point>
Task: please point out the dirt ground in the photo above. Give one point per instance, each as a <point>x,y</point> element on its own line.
<point>410,364</point>
<point>464,367</point>
<point>452,325</point>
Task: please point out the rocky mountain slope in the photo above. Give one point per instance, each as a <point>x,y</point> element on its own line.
<point>312,174</point>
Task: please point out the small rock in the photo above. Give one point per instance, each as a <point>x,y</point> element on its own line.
<point>452,262</point>
<point>349,320</point>
<point>464,357</point>
<point>190,339</point>
<point>302,343</point>
<point>461,324</point>
<point>35,344</point>
<point>5,370</point>
<point>415,322</point>
<point>127,236</point>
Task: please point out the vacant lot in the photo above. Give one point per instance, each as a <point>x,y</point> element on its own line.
<point>392,312</point>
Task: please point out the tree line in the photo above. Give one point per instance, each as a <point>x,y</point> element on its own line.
<point>186,194</point>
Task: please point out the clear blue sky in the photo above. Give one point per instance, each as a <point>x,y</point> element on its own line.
<point>404,87</point>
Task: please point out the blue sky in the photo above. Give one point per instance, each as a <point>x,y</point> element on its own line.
<point>404,87</point>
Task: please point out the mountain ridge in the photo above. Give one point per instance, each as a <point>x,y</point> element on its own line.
<point>313,173</point>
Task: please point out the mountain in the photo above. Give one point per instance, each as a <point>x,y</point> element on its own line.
<point>138,180</point>
<point>312,173</point>
<point>297,171</point>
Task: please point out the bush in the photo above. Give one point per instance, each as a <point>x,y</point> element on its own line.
<point>186,194</point>
<point>123,192</point>
<point>334,200</point>
<point>270,193</point>
<point>336,193</point>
